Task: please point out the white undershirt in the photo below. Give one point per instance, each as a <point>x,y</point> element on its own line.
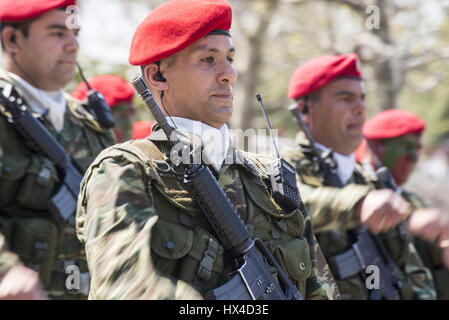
<point>216,142</point>
<point>52,104</point>
<point>345,163</point>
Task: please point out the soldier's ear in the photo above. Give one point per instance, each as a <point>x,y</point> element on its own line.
<point>153,77</point>
<point>302,106</point>
<point>9,40</point>
<point>304,109</point>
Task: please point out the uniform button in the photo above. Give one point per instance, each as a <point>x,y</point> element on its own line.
<point>302,266</point>
<point>170,245</point>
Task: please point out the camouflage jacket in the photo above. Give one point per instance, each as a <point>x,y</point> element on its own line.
<point>146,238</point>
<point>430,254</point>
<point>331,212</point>
<point>28,180</point>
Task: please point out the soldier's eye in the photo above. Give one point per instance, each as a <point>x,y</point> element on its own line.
<point>58,34</point>
<point>208,59</point>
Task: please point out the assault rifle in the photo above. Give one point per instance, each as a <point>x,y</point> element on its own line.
<point>368,249</point>
<point>253,278</point>
<point>63,204</point>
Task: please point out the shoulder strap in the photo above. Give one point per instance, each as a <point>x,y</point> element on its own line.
<point>146,151</point>
<point>158,168</point>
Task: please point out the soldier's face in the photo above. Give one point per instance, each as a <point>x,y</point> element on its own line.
<point>400,155</point>
<point>337,118</point>
<point>48,55</point>
<point>201,80</point>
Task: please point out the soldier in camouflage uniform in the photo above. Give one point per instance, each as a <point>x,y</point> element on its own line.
<point>39,55</point>
<point>145,237</point>
<point>329,92</point>
<point>395,137</point>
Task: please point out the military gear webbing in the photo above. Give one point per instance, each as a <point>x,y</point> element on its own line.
<point>63,204</point>
<point>231,231</point>
<point>371,246</point>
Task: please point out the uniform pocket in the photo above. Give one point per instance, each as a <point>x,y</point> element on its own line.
<point>170,240</point>
<point>204,265</point>
<point>38,184</point>
<point>14,168</point>
<point>34,240</point>
<point>294,258</point>
<point>188,254</point>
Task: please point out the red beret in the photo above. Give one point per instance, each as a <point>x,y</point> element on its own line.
<point>392,123</point>
<point>114,89</point>
<point>141,129</point>
<point>19,10</point>
<point>319,71</point>
<point>174,26</point>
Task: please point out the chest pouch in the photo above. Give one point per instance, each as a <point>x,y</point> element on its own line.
<point>34,240</point>
<point>14,168</point>
<point>38,184</point>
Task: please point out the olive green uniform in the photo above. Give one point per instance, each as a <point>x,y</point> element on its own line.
<point>146,238</point>
<point>331,211</point>
<point>28,181</point>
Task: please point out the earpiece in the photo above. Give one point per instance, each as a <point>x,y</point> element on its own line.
<point>159,77</point>
<point>13,38</point>
<point>305,109</point>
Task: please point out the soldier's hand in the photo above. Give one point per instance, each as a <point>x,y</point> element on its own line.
<point>430,224</point>
<point>21,283</point>
<point>381,210</point>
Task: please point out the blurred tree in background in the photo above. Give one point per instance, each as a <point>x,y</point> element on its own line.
<point>403,47</point>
